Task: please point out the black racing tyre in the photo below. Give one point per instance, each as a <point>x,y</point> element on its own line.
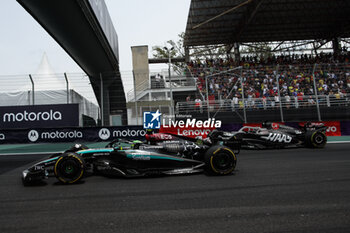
<point>315,139</point>
<point>219,160</point>
<point>69,168</point>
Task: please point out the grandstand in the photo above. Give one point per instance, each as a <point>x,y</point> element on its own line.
<point>305,62</point>
<point>275,87</point>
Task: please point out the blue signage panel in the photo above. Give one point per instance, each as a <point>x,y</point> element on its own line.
<point>71,134</point>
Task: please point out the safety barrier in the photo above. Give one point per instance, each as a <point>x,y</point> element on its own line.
<point>96,134</point>
<point>227,105</point>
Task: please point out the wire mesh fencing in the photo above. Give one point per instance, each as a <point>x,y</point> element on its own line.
<point>270,87</point>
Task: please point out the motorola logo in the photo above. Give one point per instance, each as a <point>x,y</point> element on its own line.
<point>33,135</point>
<point>129,133</point>
<point>50,115</point>
<point>104,133</point>
<point>2,136</point>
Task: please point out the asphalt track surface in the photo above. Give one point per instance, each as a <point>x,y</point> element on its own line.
<point>296,190</point>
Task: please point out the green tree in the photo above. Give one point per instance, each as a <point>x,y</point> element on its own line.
<point>209,52</point>
<point>178,52</point>
<point>200,52</point>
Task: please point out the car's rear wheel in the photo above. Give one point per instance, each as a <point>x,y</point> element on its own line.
<point>316,139</point>
<point>69,168</point>
<point>220,160</point>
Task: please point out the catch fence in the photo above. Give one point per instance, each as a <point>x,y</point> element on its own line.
<point>258,87</point>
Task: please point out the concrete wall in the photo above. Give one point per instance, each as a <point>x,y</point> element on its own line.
<point>140,66</point>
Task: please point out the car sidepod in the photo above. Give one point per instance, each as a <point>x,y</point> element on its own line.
<point>141,162</point>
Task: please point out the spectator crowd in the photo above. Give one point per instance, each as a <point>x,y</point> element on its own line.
<point>292,75</point>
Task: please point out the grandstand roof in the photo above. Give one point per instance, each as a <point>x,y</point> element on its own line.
<point>230,21</point>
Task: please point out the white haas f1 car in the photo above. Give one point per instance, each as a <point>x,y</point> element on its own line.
<point>274,135</point>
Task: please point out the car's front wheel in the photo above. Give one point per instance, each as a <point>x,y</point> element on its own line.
<point>220,160</point>
<point>69,168</point>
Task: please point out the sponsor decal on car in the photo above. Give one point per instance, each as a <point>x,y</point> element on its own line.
<point>275,126</point>
<point>278,137</point>
<point>140,157</point>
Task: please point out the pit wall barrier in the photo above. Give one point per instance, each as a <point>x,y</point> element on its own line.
<point>98,134</point>
<point>73,134</point>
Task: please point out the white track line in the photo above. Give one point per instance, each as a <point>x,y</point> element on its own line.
<point>333,142</point>
<point>32,153</point>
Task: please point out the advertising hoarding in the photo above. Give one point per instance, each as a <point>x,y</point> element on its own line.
<point>39,116</point>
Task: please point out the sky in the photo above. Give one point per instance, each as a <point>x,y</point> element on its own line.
<point>137,22</point>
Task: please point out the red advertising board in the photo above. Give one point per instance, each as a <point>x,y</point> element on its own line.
<point>333,127</point>
<point>253,124</point>
<point>191,132</point>
<point>332,130</point>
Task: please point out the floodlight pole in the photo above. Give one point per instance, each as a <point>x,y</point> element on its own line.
<point>243,99</point>
<point>170,87</point>
<point>101,100</point>
<point>279,93</point>
<point>33,94</point>
<point>316,95</point>
<point>207,91</point>
<point>67,85</point>
<point>136,107</point>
